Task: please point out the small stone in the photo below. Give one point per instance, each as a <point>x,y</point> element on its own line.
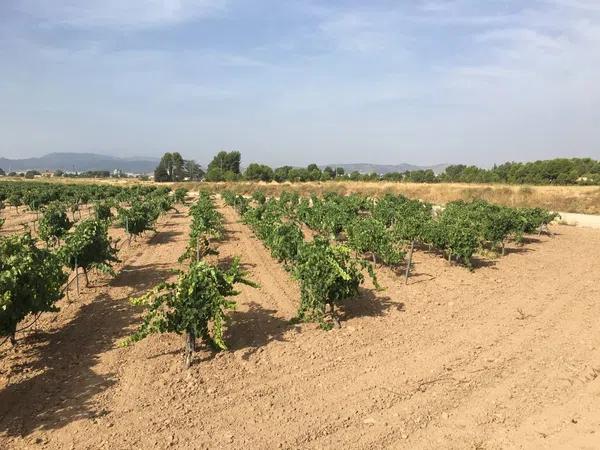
<point>370,421</point>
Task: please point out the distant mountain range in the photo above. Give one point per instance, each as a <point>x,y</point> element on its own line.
<point>387,168</point>
<point>80,162</point>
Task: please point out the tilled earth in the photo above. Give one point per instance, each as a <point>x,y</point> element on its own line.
<point>507,356</point>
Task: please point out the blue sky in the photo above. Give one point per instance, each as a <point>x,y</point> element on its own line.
<point>431,81</point>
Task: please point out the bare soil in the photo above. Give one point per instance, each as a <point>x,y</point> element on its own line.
<point>507,356</point>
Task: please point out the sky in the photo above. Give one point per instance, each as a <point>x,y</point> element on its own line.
<point>298,81</point>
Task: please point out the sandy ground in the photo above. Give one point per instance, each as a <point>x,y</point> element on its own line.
<point>506,356</point>
<point>580,220</point>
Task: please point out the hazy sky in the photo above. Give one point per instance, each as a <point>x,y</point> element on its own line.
<point>476,81</point>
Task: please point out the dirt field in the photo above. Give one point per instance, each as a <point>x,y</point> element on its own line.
<point>506,356</point>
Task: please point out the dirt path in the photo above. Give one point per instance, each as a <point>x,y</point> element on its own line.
<point>63,375</point>
<point>580,220</point>
<point>503,357</point>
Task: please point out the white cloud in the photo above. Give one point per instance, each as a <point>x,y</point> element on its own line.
<point>356,31</point>
<point>524,37</point>
<point>591,5</point>
<point>119,13</point>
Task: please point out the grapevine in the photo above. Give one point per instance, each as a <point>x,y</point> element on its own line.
<point>89,247</point>
<point>30,281</point>
<point>54,224</point>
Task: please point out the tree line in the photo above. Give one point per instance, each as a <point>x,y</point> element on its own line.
<point>225,166</point>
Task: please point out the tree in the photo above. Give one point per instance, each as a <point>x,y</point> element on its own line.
<point>170,168</point>
<point>258,172</point>
<point>215,174</point>
<point>298,174</point>
<point>192,170</point>
<point>160,173</point>
<point>282,173</point>
<point>355,175</point>
<point>329,171</point>
<point>2,172</point>
<point>325,176</point>
<point>339,171</point>
<point>314,173</point>
<point>178,167</point>
<point>226,162</point>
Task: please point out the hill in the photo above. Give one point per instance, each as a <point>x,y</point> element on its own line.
<point>80,162</point>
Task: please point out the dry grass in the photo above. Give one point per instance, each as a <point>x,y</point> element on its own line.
<point>65,180</point>
<point>579,199</point>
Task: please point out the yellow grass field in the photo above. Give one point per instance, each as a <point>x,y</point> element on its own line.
<point>577,199</point>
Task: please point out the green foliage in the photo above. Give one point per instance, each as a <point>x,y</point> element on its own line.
<point>30,280</point>
<point>180,195</point>
<point>15,199</point>
<point>409,219</point>
<point>560,171</point>
<point>102,210</point>
<point>192,170</point>
<point>258,172</point>
<point>330,215</point>
<point>531,219</point>
<point>170,168</point>
<point>369,235</point>
<point>285,240</point>
<point>197,303</point>
<point>328,275</point>
<point>54,223</point>
<point>457,234</point>
<point>89,246</point>
<point>238,202</point>
<point>140,218</point>
<point>259,197</point>
<point>225,162</point>
<point>207,223</point>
